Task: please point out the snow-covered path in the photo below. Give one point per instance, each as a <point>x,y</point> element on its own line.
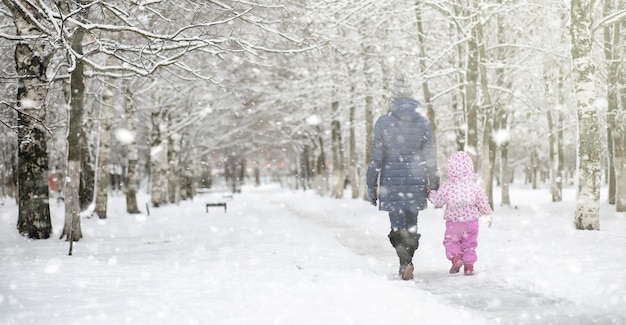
<point>491,297</point>
<point>283,257</point>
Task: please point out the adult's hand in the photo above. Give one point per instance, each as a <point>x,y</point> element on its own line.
<point>372,195</point>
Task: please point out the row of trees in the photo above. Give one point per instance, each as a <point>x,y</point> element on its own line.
<point>167,88</point>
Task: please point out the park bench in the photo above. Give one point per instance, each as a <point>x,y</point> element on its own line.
<point>215,204</point>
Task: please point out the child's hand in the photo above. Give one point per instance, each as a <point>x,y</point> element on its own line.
<point>488,219</point>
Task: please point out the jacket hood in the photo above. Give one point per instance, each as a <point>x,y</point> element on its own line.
<point>405,109</point>
<point>460,167</point>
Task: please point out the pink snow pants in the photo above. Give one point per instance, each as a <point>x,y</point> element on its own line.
<point>461,239</point>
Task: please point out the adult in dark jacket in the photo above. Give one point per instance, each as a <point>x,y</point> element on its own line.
<point>402,169</point>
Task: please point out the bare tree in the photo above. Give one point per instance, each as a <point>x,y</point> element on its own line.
<point>32,56</point>
<point>104,146</point>
<point>130,183</point>
<point>587,214</point>
<point>612,55</point>
<point>619,115</point>
<point>72,230</point>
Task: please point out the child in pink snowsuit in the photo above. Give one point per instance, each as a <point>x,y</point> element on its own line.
<point>465,203</point>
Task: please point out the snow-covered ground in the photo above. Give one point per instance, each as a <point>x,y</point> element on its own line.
<point>291,257</point>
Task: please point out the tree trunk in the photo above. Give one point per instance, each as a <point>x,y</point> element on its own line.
<point>557,118</point>
<point>158,159</point>
<point>71,229</point>
<point>535,169</point>
<point>86,189</point>
<point>554,190</point>
<point>339,174</point>
<point>587,214</point>
<point>430,111</point>
<point>369,119</point>
<point>31,62</point>
<point>369,126</point>
<point>471,101</point>
<point>104,150</point>
<point>304,167</point>
<point>501,116</point>
<point>355,177</point>
<point>611,45</point>
<point>559,136</point>
<point>174,178</point>
<point>71,226</point>
<point>619,133</point>
<point>459,100</point>
<point>505,172</point>
<point>553,128</point>
<point>320,174</point>
<point>133,156</point>
<point>488,142</point>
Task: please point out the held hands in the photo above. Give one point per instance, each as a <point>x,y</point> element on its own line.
<point>372,195</point>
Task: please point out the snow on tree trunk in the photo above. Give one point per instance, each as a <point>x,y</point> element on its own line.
<point>320,176</point>
<point>132,155</point>
<point>31,62</point>
<point>505,173</point>
<point>71,227</point>
<point>174,177</point>
<point>612,57</point>
<point>86,189</point>
<point>501,133</point>
<point>587,214</point>
<point>471,104</point>
<point>488,142</point>
<point>158,159</point>
<point>620,179</point>
<point>355,177</point>
<point>369,129</point>
<point>555,189</point>
<point>339,174</point>
<point>430,111</point>
<point>555,127</point>
<point>104,151</point>
<point>72,230</point>
<point>369,117</point>
<point>619,138</point>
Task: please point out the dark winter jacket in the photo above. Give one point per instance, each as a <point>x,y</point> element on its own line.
<point>404,156</point>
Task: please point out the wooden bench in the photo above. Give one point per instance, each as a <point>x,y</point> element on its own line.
<point>215,204</point>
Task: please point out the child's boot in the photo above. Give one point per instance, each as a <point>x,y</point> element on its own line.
<point>468,269</point>
<point>456,265</point>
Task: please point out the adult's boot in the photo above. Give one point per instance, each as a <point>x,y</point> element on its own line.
<point>405,244</point>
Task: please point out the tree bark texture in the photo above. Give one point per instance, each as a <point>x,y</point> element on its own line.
<point>86,189</point>
<point>619,133</point>
<point>355,177</point>
<point>611,55</point>
<point>104,150</point>
<point>71,229</point>
<point>488,142</point>
<point>501,115</point>
<point>32,57</point>
<point>369,118</point>
<point>471,101</point>
<point>71,226</point>
<point>587,214</point>
<point>173,159</point>
<point>158,159</point>
<point>133,156</point>
<point>369,130</point>
<point>339,173</point>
